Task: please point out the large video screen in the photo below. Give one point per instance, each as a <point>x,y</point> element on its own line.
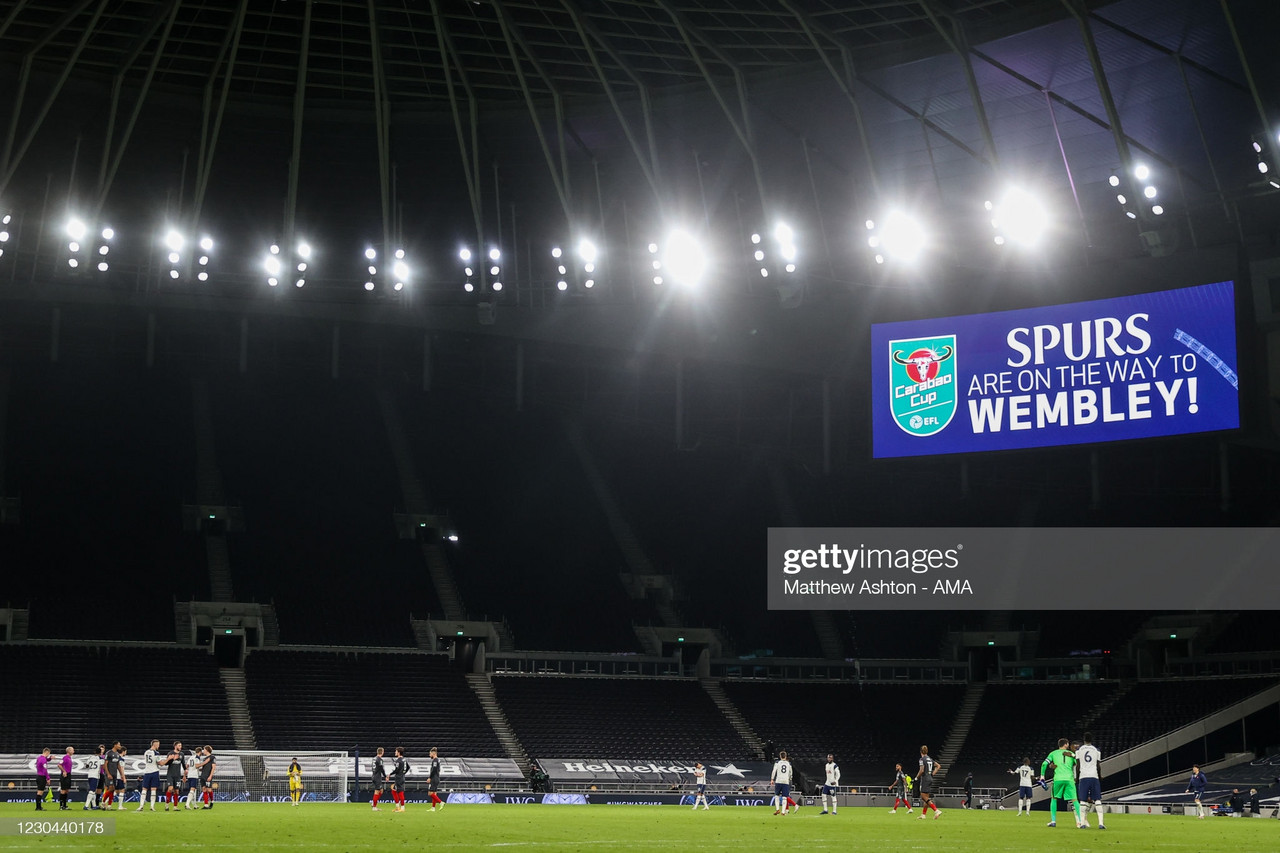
<point>1155,364</point>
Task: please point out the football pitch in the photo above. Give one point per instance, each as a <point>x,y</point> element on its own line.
<point>278,826</point>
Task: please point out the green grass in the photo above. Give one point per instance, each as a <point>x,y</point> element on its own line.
<point>268,827</point>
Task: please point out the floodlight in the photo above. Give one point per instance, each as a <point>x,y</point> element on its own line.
<point>587,251</point>
<point>102,250</point>
<point>684,257</point>
<point>202,276</point>
<point>464,255</point>
<point>368,285</point>
<point>4,236</point>
<point>400,254</point>
<point>399,286</point>
<point>1141,172</point>
<point>1149,191</point>
<point>76,229</point>
<point>204,259</point>
<point>400,270</point>
<point>589,283</point>
<point>494,254</point>
<point>73,246</point>
<point>653,248</point>
<point>206,244</point>
<point>173,274</point>
<point>108,234</point>
<point>1157,209</point>
<point>304,249</point>
<point>562,269</point>
<point>1114,180</point>
<point>589,268</point>
<point>272,265</point>
<point>755,238</point>
<point>468,287</point>
<point>555,252</point>
<point>300,282</point>
<point>1020,217</point>
<point>469,272</point>
<point>562,285</point>
<point>494,270</point>
<point>275,250</point>
<point>902,236</point>
<point>73,263</point>
<point>272,282</point>
<point>302,267</point>
<point>497,286</point>
<point>173,257</point>
<point>103,266</point>
<point>174,241</point>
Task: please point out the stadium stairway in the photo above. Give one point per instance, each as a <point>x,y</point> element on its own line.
<point>18,628</point>
<point>483,688</point>
<point>1104,706</point>
<point>442,579</point>
<point>824,625</point>
<point>734,716</point>
<point>960,727</point>
<point>215,549</point>
<point>183,626</point>
<point>238,703</point>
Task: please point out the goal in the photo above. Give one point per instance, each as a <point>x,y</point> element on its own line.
<point>262,776</point>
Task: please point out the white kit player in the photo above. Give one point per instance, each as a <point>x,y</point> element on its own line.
<point>830,785</point>
<point>1026,779</point>
<point>781,781</point>
<point>700,780</point>
<point>150,775</point>
<point>1089,789</point>
<point>92,769</point>
<point>192,777</point>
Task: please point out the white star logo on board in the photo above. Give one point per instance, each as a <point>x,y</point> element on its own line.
<point>728,770</point>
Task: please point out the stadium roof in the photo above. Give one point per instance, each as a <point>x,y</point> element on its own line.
<point>441,120</point>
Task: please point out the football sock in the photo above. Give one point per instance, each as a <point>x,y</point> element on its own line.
<point>1053,809</point>
<point>1101,812</point>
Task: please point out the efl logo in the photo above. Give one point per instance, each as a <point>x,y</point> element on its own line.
<point>922,383</point>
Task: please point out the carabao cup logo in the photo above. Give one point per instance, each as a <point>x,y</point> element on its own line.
<point>922,383</point>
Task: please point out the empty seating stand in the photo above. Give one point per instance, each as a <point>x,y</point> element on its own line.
<point>1152,708</point>
<point>1025,719</point>
<point>62,695</point>
<point>617,718</point>
<point>869,727</point>
<point>366,699</point>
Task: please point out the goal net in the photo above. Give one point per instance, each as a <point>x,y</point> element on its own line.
<point>262,776</point>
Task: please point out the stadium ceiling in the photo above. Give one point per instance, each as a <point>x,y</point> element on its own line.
<point>621,112</point>
<point>569,47</point>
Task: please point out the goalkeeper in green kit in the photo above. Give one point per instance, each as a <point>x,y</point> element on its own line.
<point>1063,762</point>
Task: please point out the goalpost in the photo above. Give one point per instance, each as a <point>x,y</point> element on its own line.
<point>262,775</point>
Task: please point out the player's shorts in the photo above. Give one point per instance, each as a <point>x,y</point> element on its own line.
<point>192,784</point>
<point>119,784</point>
<point>702,789</point>
<point>1064,790</point>
<point>295,785</point>
<point>924,785</point>
<point>431,785</point>
<point>42,783</point>
<point>379,784</point>
<point>1091,789</point>
<point>64,782</point>
<point>782,789</point>
<point>92,783</point>
<point>206,781</point>
<point>174,780</point>
<point>828,790</point>
<point>151,780</point>
<point>1024,792</point>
